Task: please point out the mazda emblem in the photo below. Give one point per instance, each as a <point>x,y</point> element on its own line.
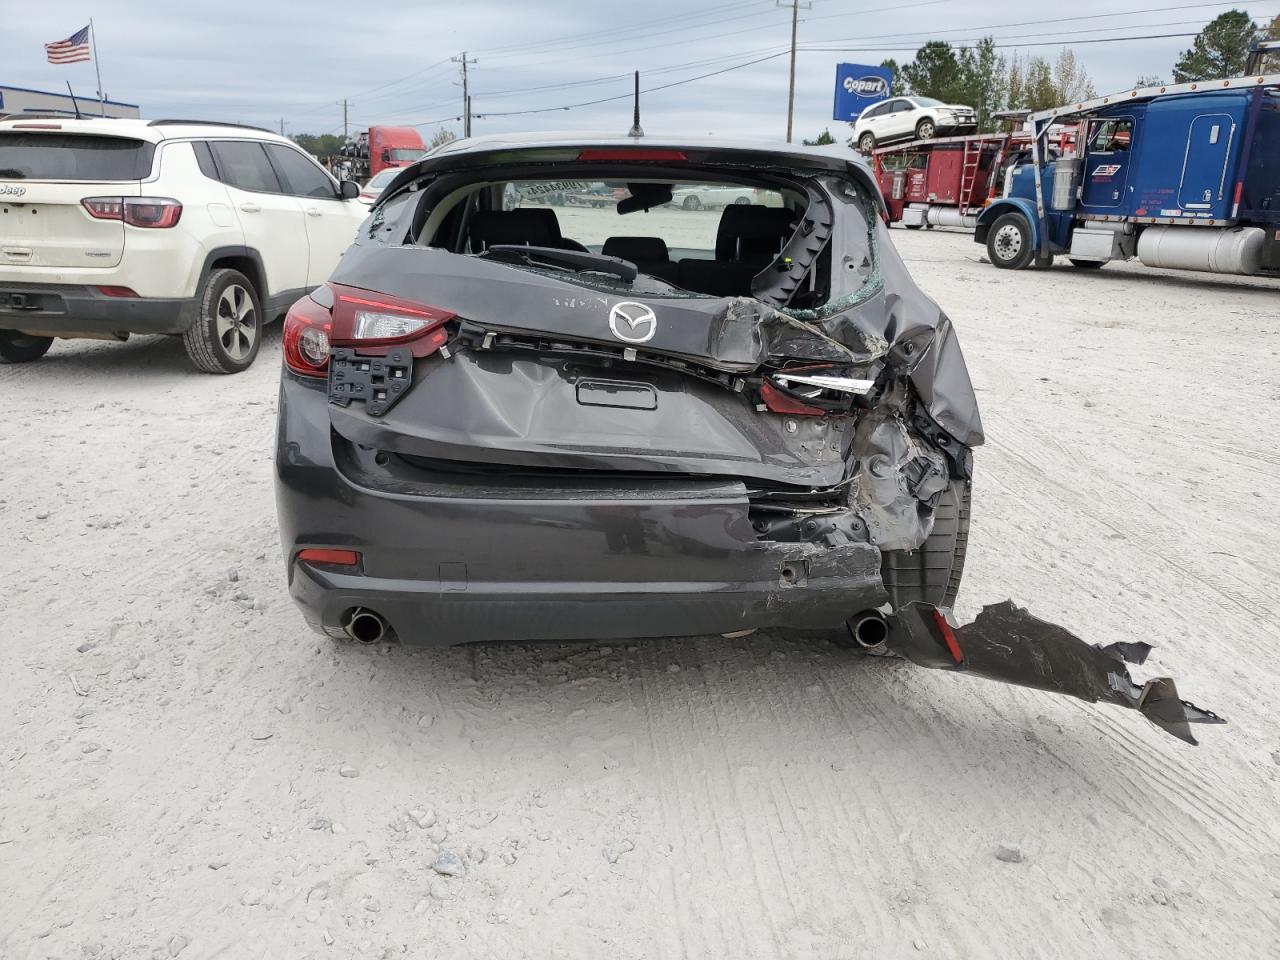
<point>633,322</point>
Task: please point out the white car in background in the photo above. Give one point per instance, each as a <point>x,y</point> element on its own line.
<point>376,184</point>
<point>711,196</point>
<point>201,230</point>
<point>911,118</point>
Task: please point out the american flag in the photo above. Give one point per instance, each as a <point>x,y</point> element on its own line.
<point>74,49</point>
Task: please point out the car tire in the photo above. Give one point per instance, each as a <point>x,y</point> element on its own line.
<point>692,203</point>
<point>1009,242</point>
<point>16,347</point>
<point>742,201</point>
<point>867,142</point>
<point>1088,264</point>
<point>926,129</point>
<point>226,335</point>
<point>932,573</point>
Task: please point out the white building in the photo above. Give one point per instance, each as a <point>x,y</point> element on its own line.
<point>16,101</point>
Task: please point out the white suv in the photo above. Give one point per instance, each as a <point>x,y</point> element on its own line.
<point>907,118</point>
<point>112,227</point>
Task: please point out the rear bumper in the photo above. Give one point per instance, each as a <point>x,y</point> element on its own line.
<point>470,560</point>
<point>53,309</point>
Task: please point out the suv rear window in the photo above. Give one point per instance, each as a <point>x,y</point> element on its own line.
<point>65,156</point>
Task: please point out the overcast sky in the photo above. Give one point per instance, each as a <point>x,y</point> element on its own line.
<point>257,62</point>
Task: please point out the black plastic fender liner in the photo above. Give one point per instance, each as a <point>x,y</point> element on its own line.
<point>1008,644</point>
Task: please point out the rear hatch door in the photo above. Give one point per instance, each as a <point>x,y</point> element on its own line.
<point>44,176</point>
<point>545,381</point>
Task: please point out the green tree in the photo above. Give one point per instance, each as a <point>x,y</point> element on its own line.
<point>324,145</point>
<point>935,72</point>
<point>441,137</point>
<point>1036,84</point>
<point>1220,49</point>
<point>1070,82</point>
<point>982,82</point>
<point>822,140</point>
<point>1271,62</point>
<point>898,85</point>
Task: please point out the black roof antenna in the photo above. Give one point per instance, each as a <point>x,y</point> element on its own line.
<point>73,99</point>
<point>635,130</point>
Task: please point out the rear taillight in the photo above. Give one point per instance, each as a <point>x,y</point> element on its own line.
<point>155,212</point>
<point>337,315</point>
<point>776,401</point>
<point>307,327</point>
<point>375,322</point>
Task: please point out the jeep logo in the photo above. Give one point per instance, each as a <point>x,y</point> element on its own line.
<point>6,190</point>
<point>867,86</point>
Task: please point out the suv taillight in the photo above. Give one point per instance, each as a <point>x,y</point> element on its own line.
<point>158,212</point>
<point>342,316</point>
<point>307,326</point>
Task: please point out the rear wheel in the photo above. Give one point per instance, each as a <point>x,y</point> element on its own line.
<point>867,142</point>
<point>1088,264</point>
<point>18,347</point>
<point>226,336</point>
<point>932,573</point>
<point>1009,242</point>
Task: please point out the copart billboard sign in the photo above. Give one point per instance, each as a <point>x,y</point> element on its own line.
<point>858,86</point>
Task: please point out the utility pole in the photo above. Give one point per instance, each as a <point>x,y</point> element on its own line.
<point>791,88</point>
<point>344,120</point>
<point>466,93</point>
<point>282,126</point>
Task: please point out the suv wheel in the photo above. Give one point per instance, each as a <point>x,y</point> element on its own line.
<point>925,129</point>
<point>1009,242</point>
<point>18,347</point>
<point>691,202</point>
<point>867,142</point>
<point>226,335</point>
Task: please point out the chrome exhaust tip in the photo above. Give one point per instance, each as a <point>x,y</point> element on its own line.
<point>869,629</point>
<point>364,625</point>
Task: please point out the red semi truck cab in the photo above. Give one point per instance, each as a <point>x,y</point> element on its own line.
<point>393,147</point>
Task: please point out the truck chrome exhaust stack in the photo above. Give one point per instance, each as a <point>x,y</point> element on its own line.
<point>365,626</point>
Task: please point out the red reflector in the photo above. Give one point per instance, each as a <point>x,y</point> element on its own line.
<point>632,154</point>
<point>117,292</point>
<point>948,636</point>
<point>342,558</point>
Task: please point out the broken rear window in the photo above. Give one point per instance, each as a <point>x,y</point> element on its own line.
<point>698,234</point>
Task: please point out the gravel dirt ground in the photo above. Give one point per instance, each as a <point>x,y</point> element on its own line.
<point>187,770</point>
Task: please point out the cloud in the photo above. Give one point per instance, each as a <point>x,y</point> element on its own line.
<point>256,62</point>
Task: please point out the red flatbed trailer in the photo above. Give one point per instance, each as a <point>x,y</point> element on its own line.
<point>948,181</point>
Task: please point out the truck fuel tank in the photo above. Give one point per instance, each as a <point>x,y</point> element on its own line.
<point>1213,249</point>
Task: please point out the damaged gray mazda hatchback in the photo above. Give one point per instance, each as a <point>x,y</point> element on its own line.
<point>511,415</point>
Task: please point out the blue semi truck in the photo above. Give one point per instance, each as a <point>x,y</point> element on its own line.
<point>1182,176</point>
